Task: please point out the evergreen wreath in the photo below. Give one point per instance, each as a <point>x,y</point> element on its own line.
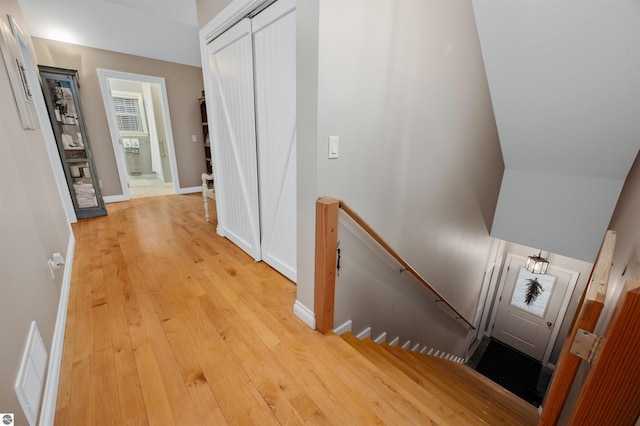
<point>534,289</point>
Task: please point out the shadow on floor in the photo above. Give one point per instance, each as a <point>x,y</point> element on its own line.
<point>514,371</point>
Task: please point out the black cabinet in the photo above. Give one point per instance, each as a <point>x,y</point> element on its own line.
<point>60,87</point>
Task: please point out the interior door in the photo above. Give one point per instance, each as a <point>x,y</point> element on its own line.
<point>233,135</point>
<point>527,325</point>
<point>275,89</point>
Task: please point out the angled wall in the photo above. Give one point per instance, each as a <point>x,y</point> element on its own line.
<point>564,78</point>
<point>33,226</point>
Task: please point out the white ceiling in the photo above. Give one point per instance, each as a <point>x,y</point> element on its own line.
<point>564,78</point>
<point>159,29</point>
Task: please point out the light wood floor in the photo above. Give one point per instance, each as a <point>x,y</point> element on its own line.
<point>169,324</point>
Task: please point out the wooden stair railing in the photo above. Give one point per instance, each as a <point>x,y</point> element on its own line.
<point>325,267</point>
<point>589,311</point>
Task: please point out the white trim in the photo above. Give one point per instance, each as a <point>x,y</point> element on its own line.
<point>406,344</point>
<point>364,333</point>
<point>395,341</point>
<point>229,16</point>
<point>114,198</point>
<point>497,269</point>
<point>189,190</point>
<point>415,347</point>
<point>305,314</point>
<point>381,338</point>
<point>42,116</point>
<point>343,328</point>
<point>103,77</point>
<point>49,399</point>
<point>561,312</point>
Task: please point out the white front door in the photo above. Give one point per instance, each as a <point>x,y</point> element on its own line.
<point>529,307</point>
<point>232,125</point>
<point>274,45</point>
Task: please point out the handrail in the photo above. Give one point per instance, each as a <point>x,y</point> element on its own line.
<point>369,230</point>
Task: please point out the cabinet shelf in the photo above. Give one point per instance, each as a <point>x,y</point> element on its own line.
<point>205,134</point>
<point>60,89</point>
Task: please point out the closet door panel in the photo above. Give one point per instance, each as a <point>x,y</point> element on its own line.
<point>233,137</point>
<point>275,86</point>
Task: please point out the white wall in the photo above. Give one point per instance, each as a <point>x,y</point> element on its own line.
<point>403,86</point>
<point>33,226</point>
<point>371,292</point>
<point>564,84</point>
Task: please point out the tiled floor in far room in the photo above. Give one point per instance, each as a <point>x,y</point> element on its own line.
<point>149,186</point>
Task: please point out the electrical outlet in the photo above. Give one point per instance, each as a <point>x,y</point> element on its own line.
<point>194,138</point>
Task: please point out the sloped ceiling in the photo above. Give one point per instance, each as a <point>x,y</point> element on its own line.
<point>564,78</point>
<point>159,29</point>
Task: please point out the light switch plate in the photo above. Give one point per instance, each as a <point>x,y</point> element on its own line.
<point>333,147</point>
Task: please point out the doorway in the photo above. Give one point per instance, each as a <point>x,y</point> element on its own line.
<point>530,307</point>
<point>139,123</point>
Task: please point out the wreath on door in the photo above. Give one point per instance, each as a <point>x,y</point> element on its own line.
<point>534,289</point>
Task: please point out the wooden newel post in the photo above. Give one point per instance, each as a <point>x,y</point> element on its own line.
<point>325,272</point>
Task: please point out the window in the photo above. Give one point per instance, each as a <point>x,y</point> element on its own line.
<point>129,112</point>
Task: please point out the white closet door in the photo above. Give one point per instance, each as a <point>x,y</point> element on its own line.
<point>233,137</point>
<point>275,84</point>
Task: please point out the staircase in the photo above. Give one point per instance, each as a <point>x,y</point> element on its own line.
<point>459,394</point>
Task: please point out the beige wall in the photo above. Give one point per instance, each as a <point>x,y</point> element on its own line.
<point>32,227</point>
<point>184,86</point>
<point>403,86</point>
<point>208,9</point>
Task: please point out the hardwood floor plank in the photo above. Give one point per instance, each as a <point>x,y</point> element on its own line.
<point>156,401</point>
<point>130,395</point>
<point>104,389</point>
<point>170,324</point>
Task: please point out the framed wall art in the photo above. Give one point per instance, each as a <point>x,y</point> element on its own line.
<point>22,87</point>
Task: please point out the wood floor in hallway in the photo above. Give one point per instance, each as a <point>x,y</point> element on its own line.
<point>170,324</point>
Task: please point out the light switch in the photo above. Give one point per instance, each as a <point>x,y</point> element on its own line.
<point>194,138</point>
<point>333,147</point>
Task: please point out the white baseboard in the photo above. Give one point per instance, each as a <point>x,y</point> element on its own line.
<point>114,198</point>
<point>189,190</point>
<point>341,329</point>
<point>381,338</point>
<point>394,341</point>
<point>305,314</point>
<point>49,398</point>
<point>364,333</point>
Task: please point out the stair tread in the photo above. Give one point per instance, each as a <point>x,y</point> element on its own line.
<point>474,382</point>
<point>458,392</point>
<point>451,407</point>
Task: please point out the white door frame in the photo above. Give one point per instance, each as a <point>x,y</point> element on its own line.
<point>561,313</point>
<point>104,76</point>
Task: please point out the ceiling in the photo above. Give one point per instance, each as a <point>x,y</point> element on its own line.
<point>158,29</point>
<point>564,78</point>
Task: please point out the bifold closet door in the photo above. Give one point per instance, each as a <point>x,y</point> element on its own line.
<point>274,47</point>
<point>233,127</point>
